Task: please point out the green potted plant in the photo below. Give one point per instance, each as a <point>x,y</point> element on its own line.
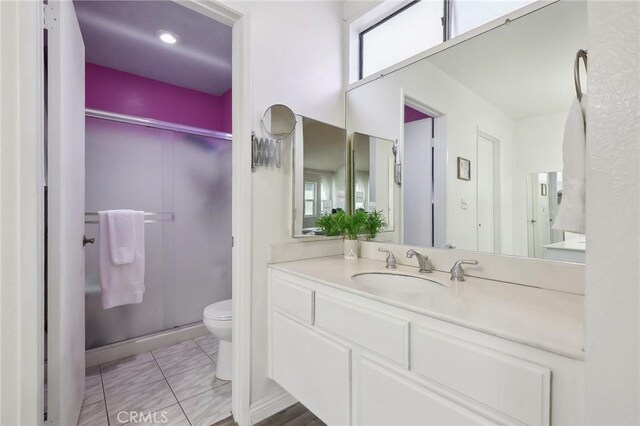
<point>351,227</point>
<point>374,224</point>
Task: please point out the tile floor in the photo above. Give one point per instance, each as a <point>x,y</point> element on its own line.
<point>174,386</point>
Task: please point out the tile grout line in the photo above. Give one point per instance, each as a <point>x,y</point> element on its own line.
<point>104,396</point>
<point>206,353</point>
<point>180,351</point>
<point>171,389</point>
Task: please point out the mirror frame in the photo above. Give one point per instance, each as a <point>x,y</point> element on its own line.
<point>267,131</point>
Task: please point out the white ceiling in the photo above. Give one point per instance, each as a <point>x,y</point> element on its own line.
<point>122,35</point>
<point>526,68</point>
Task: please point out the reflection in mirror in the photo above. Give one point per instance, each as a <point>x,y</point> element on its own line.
<point>473,122</point>
<point>373,187</point>
<point>544,194</point>
<point>320,175</point>
<point>279,121</point>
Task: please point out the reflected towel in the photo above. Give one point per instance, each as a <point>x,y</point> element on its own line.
<point>571,213</point>
<point>121,284</point>
<point>122,242</point>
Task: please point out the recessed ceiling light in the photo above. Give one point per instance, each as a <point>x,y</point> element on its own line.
<point>167,37</point>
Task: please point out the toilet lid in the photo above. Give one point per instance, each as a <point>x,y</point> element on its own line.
<point>219,310</point>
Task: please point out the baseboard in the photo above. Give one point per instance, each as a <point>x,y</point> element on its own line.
<point>267,407</point>
<point>142,344</point>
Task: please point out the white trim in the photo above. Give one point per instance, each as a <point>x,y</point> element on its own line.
<point>21,213</point>
<point>214,10</point>
<point>270,405</point>
<point>440,161</point>
<point>142,344</point>
<point>503,20</point>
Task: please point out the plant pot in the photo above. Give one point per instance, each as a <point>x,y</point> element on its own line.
<point>351,249</point>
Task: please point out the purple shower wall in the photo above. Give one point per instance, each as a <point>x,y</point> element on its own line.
<point>111,90</point>
<point>411,114</point>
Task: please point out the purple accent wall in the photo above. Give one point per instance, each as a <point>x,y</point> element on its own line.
<point>226,112</point>
<point>121,92</point>
<point>411,114</point>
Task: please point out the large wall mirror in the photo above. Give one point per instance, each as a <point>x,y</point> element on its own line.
<point>319,174</point>
<point>480,127</point>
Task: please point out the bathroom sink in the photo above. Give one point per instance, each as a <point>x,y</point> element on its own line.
<point>395,281</point>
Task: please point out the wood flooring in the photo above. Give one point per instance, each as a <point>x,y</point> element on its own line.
<point>296,415</point>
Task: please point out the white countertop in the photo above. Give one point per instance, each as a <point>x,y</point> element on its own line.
<point>545,319</point>
<point>575,245</point>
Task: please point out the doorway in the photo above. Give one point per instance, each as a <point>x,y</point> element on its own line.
<point>66,318</point>
<point>424,175</point>
<point>488,190</point>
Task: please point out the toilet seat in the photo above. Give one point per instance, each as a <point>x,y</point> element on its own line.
<point>219,311</point>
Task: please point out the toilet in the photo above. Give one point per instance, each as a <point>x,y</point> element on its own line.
<point>217,319</point>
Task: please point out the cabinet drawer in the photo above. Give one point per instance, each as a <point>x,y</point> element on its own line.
<point>384,397</point>
<point>515,388</point>
<point>312,368</point>
<point>292,299</point>
<point>379,333</point>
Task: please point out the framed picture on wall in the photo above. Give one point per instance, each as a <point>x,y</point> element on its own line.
<point>464,169</point>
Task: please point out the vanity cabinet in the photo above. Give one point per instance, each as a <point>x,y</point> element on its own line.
<point>354,360</point>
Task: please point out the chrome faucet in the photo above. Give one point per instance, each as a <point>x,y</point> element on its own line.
<point>391,259</point>
<point>423,260</point>
<point>457,273</point>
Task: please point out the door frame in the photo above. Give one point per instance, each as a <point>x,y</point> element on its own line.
<point>497,185</point>
<point>22,208</point>
<point>241,199</point>
<point>21,213</point>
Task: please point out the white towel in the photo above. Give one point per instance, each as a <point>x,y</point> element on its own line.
<point>121,284</point>
<point>571,213</point>
<point>122,242</point>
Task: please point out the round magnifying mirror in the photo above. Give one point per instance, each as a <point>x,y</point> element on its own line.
<point>279,121</point>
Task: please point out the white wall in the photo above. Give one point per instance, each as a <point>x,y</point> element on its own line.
<point>537,148</point>
<point>295,59</point>
<point>376,109</point>
<point>612,304</point>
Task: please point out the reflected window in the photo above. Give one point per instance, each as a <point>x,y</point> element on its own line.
<point>309,199</point>
<point>469,14</point>
<point>423,24</point>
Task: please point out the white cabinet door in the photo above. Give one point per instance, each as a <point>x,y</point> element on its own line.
<point>385,397</point>
<point>65,218</point>
<point>512,387</point>
<point>312,368</point>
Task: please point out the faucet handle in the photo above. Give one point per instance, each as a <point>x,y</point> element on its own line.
<point>413,252</point>
<point>465,262</point>
<point>457,273</point>
<point>391,259</point>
